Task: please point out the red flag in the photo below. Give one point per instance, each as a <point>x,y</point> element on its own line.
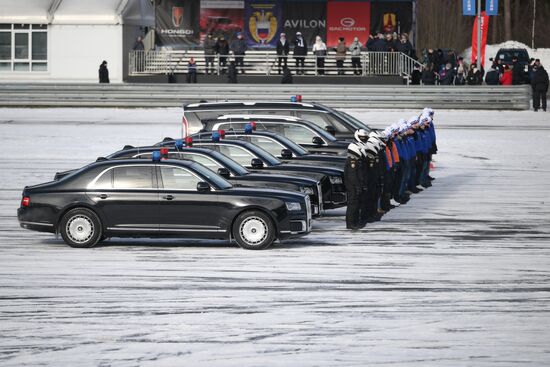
<point>484,28</point>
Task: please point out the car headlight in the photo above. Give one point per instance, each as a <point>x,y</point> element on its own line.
<point>335,179</point>
<point>307,190</point>
<point>293,206</point>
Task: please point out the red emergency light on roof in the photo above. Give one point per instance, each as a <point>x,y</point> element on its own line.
<point>298,98</point>
<point>164,151</point>
<point>189,141</point>
<point>222,133</point>
<point>253,124</point>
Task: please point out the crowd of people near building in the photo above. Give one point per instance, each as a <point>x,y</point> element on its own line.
<point>384,168</point>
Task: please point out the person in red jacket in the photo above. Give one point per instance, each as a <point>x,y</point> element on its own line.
<point>506,77</point>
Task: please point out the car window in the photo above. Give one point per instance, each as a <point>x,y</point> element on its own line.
<point>176,178</point>
<point>272,146</point>
<point>238,154</point>
<point>299,134</point>
<point>105,181</point>
<point>205,161</point>
<point>322,120</point>
<point>133,177</point>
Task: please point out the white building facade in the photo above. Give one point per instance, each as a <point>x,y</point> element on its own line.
<point>66,40</point>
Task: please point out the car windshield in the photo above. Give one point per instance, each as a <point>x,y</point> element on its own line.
<point>219,182</point>
<point>293,146</point>
<point>263,154</point>
<point>509,54</point>
<point>352,120</point>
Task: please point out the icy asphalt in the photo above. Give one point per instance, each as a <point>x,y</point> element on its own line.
<point>460,276</point>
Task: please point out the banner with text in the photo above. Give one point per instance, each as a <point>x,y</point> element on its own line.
<point>262,22</point>
<point>347,19</point>
<point>491,7</point>
<point>469,7</point>
<point>308,17</point>
<point>176,22</point>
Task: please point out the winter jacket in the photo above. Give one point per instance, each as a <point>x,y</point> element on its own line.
<point>209,46</point>
<point>517,73</point>
<point>428,77</point>
<point>319,48</point>
<point>506,78</point>
<point>447,77</point>
<point>380,45</point>
<point>405,48</point>
<point>341,50</point>
<point>492,77</point>
<point>238,46</point>
<point>103,74</point>
<point>283,49</point>
<point>355,48</point>
<point>540,80</point>
<point>222,47</point>
<point>300,47</point>
<point>474,77</point>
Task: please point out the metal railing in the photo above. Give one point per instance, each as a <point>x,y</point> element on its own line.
<point>269,63</point>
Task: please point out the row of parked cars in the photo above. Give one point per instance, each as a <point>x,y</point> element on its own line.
<point>253,172</point>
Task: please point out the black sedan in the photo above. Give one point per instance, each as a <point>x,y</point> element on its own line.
<point>236,174</point>
<point>279,146</point>
<point>252,156</point>
<point>150,198</point>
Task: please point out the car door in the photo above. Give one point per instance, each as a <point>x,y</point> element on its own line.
<point>127,197</point>
<point>182,208</point>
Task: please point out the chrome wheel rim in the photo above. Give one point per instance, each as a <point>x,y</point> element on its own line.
<point>253,230</point>
<point>80,229</point>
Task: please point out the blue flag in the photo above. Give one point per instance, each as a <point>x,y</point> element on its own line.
<point>469,7</point>
<point>491,7</point>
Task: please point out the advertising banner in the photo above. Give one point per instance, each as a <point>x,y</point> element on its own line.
<point>469,7</point>
<point>391,16</point>
<point>262,22</point>
<point>308,17</point>
<point>176,22</point>
<point>484,29</point>
<point>221,18</point>
<point>491,7</point>
<point>348,20</point>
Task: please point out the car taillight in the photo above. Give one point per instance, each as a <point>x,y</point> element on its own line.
<point>26,201</point>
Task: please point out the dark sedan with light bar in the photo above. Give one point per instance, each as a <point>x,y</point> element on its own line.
<point>160,198</point>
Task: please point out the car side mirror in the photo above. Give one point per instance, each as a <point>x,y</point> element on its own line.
<point>286,154</point>
<point>223,172</point>
<point>203,186</point>
<point>257,163</point>
<point>331,130</point>
<point>317,140</point>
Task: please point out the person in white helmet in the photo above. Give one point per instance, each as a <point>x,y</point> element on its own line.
<point>369,212</point>
<point>354,179</point>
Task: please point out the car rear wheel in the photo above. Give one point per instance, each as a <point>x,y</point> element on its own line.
<point>80,228</point>
<point>254,230</point>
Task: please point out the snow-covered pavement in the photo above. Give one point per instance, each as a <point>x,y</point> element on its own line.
<point>460,276</point>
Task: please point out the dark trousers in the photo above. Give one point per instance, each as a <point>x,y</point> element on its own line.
<point>353,210</point>
<point>321,65</point>
<point>192,77</point>
<point>281,62</point>
<point>223,64</point>
<point>538,97</point>
<point>209,64</point>
<point>239,61</point>
<point>356,65</point>
<point>300,65</point>
<point>340,66</point>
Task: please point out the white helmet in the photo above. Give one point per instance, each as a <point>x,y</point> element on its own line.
<point>361,136</point>
<point>371,148</point>
<point>354,150</point>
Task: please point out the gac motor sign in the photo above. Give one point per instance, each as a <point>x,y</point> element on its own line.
<point>347,22</point>
<point>347,19</point>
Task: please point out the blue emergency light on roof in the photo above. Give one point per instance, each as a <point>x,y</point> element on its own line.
<point>156,156</point>
<point>248,129</point>
<point>179,143</point>
<point>293,99</point>
<point>215,136</point>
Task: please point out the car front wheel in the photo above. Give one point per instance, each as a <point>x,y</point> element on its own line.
<point>80,228</point>
<point>254,230</point>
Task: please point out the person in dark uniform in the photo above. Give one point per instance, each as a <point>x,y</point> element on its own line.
<point>103,73</point>
<point>354,174</point>
<point>539,83</point>
<point>372,183</point>
<point>300,52</point>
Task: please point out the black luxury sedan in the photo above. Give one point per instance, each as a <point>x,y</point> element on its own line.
<point>278,145</point>
<point>230,170</point>
<point>260,161</point>
<point>302,132</point>
<point>341,124</point>
<point>151,198</point>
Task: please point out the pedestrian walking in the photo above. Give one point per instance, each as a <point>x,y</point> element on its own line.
<point>355,51</point>
<point>320,51</point>
<point>283,49</point>
<point>103,73</point>
<point>300,52</point>
<point>539,83</point>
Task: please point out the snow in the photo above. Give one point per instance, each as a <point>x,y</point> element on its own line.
<point>457,277</point>
<point>491,51</point>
